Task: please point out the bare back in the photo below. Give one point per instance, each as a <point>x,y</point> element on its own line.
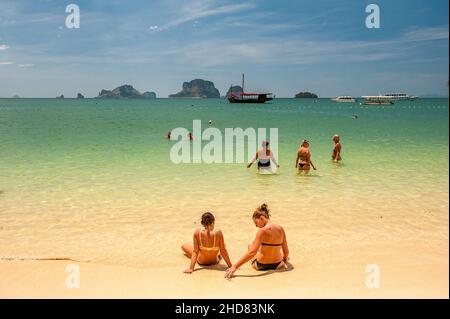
<point>273,240</point>
<point>208,244</point>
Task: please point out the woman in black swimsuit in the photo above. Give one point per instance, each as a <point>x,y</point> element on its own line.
<point>269,250</point>
<point>264,157</point>
<point>303,161</point>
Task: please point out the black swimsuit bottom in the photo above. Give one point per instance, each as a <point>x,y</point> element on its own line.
<point>267,164</point>
<point>260,266</point>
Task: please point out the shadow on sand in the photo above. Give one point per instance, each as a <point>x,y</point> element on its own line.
<point>289,267</point>
<point>217,267</point>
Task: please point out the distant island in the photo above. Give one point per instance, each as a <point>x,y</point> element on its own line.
<point>198,88</point>
<point>60,97</point>
<point>125,92</point>
<point>236,89</point>
<point>306,95</point>
<point>149,95</point>
<point>80,96</point>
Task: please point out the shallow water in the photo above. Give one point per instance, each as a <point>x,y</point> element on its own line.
<point>92,179</point>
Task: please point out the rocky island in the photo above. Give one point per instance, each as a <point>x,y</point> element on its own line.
<point>149,95</point>
<point>306,95</point>
<point>237,90</point>
<point>199,89</point>
<point>80,96</point>
<point>125,92</point>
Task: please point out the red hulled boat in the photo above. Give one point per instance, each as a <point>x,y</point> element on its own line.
<point>245,97</point>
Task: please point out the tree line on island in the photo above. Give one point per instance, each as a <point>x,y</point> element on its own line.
<point>197,88</point>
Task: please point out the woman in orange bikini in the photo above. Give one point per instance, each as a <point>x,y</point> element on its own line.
<point>208,245</point>
<point>269,250</point>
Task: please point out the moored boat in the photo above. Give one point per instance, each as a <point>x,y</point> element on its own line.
<point>344,99</point>
<point>246,97</point>
<point>401,96</point>
<point>378,100</point>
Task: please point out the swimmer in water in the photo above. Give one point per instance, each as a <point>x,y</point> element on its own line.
<point>264,156</point>
<point>169,134</point>
<point>190,136</point>
<point>210,122</point>
<point>336,155</point>
<point>303,161</point>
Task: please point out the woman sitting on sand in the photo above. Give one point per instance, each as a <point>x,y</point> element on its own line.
<point>264,156</point>
<point>336,155</point>
<point>207,245</point>
<point>269,250</point>
<point>303,161</point>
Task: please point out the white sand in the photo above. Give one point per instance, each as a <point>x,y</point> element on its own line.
<point>331,274</point>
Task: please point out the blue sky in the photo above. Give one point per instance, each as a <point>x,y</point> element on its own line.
<point>283,47</point>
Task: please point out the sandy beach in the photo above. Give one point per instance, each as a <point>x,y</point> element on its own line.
<point>330,274</point>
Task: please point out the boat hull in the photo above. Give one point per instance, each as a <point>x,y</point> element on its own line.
<point>258,100</point>
<point>379,103</point>
<point>343,101</point>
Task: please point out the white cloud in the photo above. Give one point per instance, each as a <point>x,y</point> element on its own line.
<point>3,47</point>
<point>26,65</point>
<point>201,9</point>
<point>426,34</point>
<point>271,51</point>
<point>6,63</point>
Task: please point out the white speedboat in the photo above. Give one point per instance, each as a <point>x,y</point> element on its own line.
<point>344,99</point>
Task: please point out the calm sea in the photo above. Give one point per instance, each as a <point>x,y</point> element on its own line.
<point>92,179</point>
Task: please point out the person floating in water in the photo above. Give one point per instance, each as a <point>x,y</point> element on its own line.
<point>208,245</point>
<point>169,134</point>
<point>336,155</point>
<point>269,250</point>
<point>264,156</point>
<point>355,117</point>
<point>303,161</point>
<point>210,122</point>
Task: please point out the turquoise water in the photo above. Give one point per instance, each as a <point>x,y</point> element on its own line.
<point>92,179</point>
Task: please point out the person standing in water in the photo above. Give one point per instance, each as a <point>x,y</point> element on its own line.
<point>190,136</point>
<point>336,155</point>
<point>303,161</point>
<point>269,250</point>
<point>208,245</point>
<point>264,156</point>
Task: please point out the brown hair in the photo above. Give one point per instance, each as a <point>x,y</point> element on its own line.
<point>207,219</point>
<point>262,210</point>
